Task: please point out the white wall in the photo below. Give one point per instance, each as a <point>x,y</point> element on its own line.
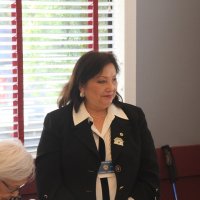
<point>168,69</point>
<point>130,51</point>
<point>125,47</point>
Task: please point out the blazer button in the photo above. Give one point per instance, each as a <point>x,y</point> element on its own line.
<point>46,196</point>
<point>118,168</point>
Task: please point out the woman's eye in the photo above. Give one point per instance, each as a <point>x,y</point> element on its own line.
<point>101,81</point>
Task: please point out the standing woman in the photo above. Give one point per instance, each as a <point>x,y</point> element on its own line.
<point>94,147</point>
<point>16,168</point>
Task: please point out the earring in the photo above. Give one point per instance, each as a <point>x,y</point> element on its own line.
<point>82,94</point>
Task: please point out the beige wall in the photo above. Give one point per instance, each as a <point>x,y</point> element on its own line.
<point>168,69</point>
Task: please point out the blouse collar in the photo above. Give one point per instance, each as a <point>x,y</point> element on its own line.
<point>83,114</point>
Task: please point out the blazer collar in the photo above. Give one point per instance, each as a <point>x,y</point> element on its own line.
<point>84,134</point>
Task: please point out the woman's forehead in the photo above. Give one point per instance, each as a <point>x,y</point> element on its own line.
<point>108,69</point>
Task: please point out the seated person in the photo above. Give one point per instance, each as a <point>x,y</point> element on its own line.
<point>16,168</point>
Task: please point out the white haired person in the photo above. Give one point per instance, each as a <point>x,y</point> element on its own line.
<point>16,168</point>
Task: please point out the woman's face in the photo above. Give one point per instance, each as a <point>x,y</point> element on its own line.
<point>10,188</point>
<point>100,90</point>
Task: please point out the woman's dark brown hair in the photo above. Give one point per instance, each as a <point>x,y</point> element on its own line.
<point>88,65</point>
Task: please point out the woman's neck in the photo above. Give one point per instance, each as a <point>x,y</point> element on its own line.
<point>97,114</point>
<point>98,118</point>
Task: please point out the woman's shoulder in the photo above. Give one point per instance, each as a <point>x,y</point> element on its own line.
<point>64,109</point>
<point>132,111</point>
<point>128,106</point>
<point>60,113</point>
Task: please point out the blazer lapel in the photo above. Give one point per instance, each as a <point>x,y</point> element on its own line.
<point>119,129</point>
<point>83,132</point>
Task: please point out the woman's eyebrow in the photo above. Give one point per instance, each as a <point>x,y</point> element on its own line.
<point>104,76</point>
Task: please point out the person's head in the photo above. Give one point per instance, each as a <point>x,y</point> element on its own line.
<point>16,167</point>
<point>93,80</point>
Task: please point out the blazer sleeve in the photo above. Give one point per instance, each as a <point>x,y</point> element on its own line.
<point>147,185</point>
<point>48,163</point>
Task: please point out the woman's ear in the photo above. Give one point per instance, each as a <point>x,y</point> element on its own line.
<point>81,91</point>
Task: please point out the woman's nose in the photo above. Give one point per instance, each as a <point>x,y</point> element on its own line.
<point>111,86</point>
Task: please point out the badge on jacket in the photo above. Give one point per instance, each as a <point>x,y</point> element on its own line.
<point>119,141</point>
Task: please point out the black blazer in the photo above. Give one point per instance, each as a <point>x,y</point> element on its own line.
<point>68,161</point>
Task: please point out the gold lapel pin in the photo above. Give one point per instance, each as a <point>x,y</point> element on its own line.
<point>119,141</point>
